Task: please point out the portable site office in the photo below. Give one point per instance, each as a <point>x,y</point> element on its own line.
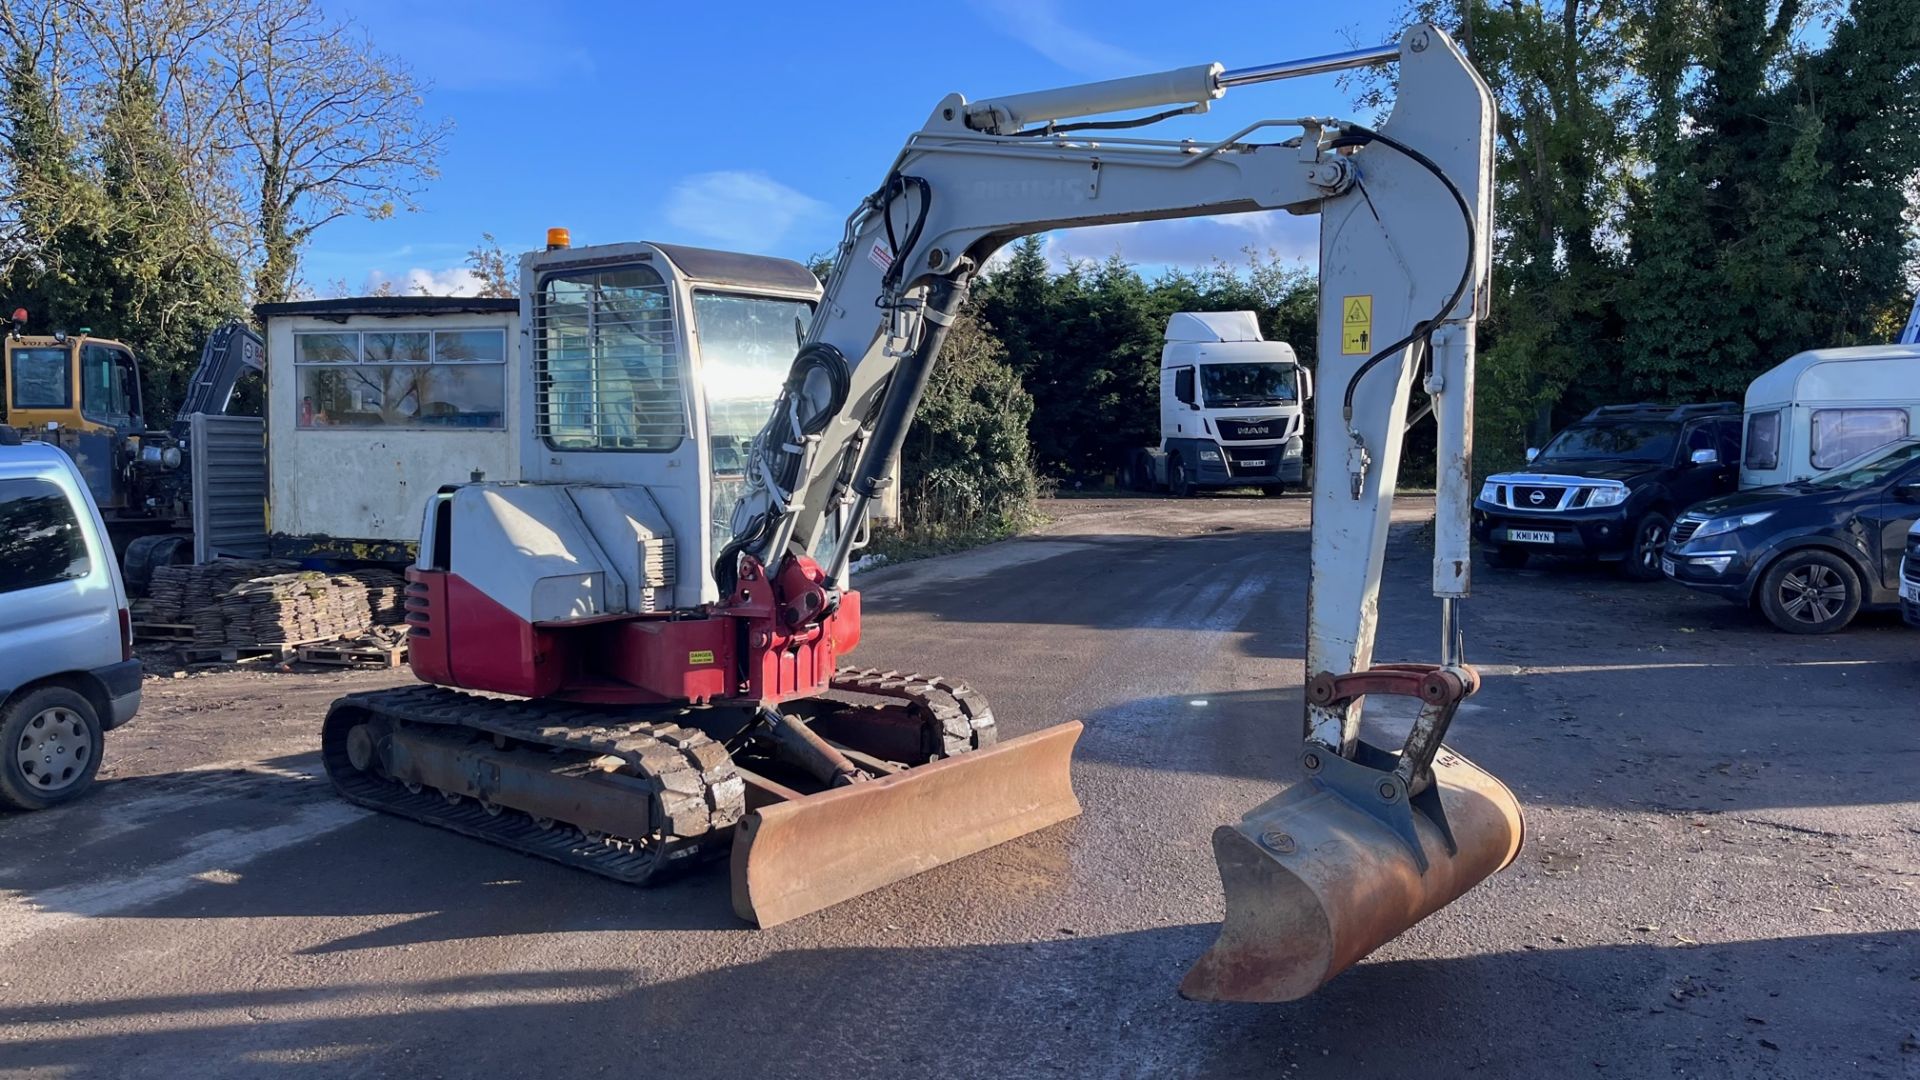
<point>373,403</point>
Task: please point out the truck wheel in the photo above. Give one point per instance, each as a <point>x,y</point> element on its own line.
<point>1810,592</point>
<point>1179,483</point>
<point>1273,491</point>
<point>1506,558</point>
<point>50,745</point>
<point>1643,558</point>
<point>1139,472</point>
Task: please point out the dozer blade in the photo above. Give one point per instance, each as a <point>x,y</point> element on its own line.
<point>1314,881</point>
<point>794,857</point>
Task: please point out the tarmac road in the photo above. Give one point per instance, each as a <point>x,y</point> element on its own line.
<point>1721,877</point>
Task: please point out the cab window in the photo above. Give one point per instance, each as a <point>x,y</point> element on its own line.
<point>42,378</point>
<point>40,538</point>
<point>109,385</point>
<point>1183,386</point>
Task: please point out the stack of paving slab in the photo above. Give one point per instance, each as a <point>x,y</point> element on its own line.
<point>294,609</point>
<point>178,593</point>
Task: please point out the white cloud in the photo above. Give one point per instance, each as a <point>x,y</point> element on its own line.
<point>747,211</point>
<point>1192,242</point>
<point>1039,25</point>
<point>418,281</point>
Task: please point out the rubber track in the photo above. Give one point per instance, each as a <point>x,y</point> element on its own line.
<point>704,781</point>
<point>965,719</point>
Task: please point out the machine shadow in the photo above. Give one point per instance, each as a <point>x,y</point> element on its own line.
<point>277,841</point>
<point>1734,1009</point>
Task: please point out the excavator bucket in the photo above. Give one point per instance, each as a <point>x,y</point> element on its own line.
<point>807,852</point>
<point>1317,878</point>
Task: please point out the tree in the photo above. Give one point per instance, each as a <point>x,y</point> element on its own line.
<point>490,267</point>
<point>967,467</point>
<point>1775,217</point>
<point>324,125</point>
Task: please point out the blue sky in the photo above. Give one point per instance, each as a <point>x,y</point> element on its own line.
<point>758,126</point>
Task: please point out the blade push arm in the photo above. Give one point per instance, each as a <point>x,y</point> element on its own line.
<point>1405,219</point>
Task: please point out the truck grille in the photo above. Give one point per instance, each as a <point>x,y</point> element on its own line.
<point>1536,496</point>
<point>1253,430</point>
<point>1910,566</point>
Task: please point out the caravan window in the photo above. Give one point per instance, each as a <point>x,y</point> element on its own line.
<point>1763,440</point>
<point>1840,435</point>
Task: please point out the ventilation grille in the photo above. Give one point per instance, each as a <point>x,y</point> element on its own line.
<point>607,362</point>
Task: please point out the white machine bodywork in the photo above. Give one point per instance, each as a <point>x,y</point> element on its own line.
<point>1392,235</point>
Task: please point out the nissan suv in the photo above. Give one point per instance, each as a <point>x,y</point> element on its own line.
<point>1609,487</point>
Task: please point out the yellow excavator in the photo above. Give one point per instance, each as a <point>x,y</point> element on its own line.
<point>659,611</point>
<point>84,394</point>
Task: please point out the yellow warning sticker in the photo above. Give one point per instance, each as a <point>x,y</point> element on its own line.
<point>700,656</point>
<point>1356,325</point>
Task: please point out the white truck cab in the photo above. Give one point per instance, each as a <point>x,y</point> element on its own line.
<point>67,669</point>
<point>1232,408</point>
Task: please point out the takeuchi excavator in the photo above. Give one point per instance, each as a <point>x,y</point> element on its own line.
<point>660,611</point>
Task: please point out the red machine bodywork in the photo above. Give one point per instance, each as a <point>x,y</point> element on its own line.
<point>770,641</point>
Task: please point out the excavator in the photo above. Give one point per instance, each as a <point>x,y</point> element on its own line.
<point>632,657</point>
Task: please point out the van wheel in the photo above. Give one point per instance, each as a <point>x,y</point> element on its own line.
<point>1643,558</point>
<point>1810,592</point>
<point>1179,483</point>
<point>50,745</point>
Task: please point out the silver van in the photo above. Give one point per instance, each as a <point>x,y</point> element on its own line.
<point>67,671</point>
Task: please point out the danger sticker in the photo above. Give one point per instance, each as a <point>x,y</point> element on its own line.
<point>1356,325</point>
<point>700,656</point>
<point>879,256</point>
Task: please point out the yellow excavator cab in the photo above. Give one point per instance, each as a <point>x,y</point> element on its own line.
<point>80,383</point>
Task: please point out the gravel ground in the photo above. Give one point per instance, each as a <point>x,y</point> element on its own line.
<point>1721,877</point>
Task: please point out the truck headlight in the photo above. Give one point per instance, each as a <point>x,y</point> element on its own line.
<point>1607,496</point>
<point>1716,526</point>
<point>1209,455</point>
<point>1487,492</point>
<point>1293,448</point>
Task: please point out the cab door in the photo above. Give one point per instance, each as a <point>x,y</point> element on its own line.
<point>110,386</point>
<point>1179,402</point>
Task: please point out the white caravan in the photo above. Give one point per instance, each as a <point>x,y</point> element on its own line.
<point>1827,406</point>
<point>1232,408</point>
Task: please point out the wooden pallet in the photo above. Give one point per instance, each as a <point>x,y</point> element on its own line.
<point>162,631</point>
<point>363,656</point>
<point>241,654</point>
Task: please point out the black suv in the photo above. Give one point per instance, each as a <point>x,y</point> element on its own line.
<point>1609,487</point>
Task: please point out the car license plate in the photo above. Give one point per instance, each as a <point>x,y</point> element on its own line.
<point>1255,463</point>
<point>1910,590</point>
<point>1530,536</point>
<point>1666,567</point>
